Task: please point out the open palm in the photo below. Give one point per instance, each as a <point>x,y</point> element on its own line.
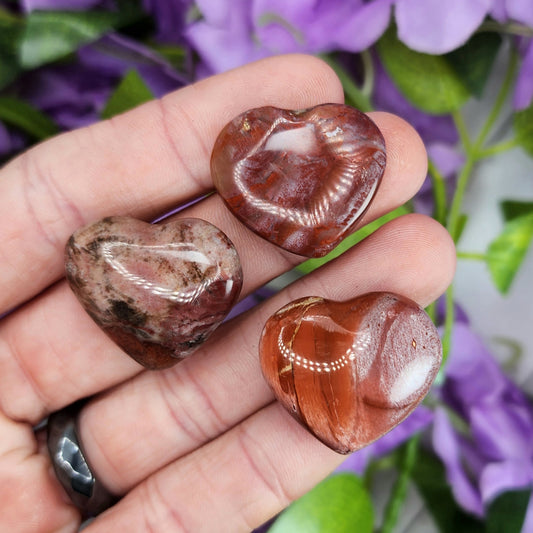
<point>201,446</point>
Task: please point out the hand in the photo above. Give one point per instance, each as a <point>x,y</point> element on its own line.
<point>202,446</point>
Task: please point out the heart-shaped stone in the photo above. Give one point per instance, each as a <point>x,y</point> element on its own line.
<point>158,291</point>
<point>350,371</point>
<point>300,179</point>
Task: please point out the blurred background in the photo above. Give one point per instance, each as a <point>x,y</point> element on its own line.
<point>462,74</point>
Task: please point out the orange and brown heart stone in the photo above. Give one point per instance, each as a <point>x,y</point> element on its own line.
<point>300,179</point>
<point>158,291</point>
<point>350,371</point>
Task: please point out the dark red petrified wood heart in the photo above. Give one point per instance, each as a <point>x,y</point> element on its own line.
<point>158,291</point>
<point>300,179</point>
<point>350,371</point>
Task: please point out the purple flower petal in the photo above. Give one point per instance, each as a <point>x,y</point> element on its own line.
<point>502,477</point>
<point>498,10</point>
<point>503,430</point>
<point>224,40</point>
<point>446,157</point>
<point>437,27</point>
<point>472,373</point>
<point>446,446</point>
<point>306,26</point>
<point>417,421</point>
<point>364,27</point>
<point>217,13</point>
<point>10,142</point>
<point>81,5</point>
<point>170,18</point>
<point>520,10</point>
<point>251,30</point>
<point>523,93</point>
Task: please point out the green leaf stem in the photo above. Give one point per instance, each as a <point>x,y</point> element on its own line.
<point>352,240</point>
<point>340,504</point>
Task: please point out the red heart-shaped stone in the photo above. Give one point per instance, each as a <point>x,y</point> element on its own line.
<point>300,179</point>
<point>350,371</point>
<point>158,291</point>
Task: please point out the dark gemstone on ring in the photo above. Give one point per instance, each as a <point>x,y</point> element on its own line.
<point>70,465</point>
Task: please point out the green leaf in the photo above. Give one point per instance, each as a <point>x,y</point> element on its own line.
<point>52,35</point>
<point>514,209</point>
<point>473,61</point>
<point>10,33</point>
<point>352,240</point>
<point>429,82</point>
<point>507,251</point>
<point>131,92</point>
<point>461,225</point>
<point>174,54</point>
<point>25,117</point>
<point>523,127</point>
<point>508,511</point>
<point>429,476</point>
<point>337,505</point>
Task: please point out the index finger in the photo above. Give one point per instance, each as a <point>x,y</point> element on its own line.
<point>60,185</point>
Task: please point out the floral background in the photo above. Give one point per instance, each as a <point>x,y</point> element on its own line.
<point>462,73</point>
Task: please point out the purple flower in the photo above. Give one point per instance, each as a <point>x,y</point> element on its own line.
<point>10,141</point>
<point>224,38</point>
<point>246,31</point>
<point>516,10</point>
<point>170,17</point>
<point>493,452</point>
<point>437,27</point>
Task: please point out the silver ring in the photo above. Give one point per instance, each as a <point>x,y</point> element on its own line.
<point>70,465</point>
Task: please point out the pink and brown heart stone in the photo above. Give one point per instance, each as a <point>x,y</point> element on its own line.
<point>300,179</point>
<point>158,291</point>
<point>350,371</point>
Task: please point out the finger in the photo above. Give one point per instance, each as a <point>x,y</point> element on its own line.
<point>234,483</point>
<point>141,163</point>
<point>32,500</point>
<point>66,357</point>
<point>168,414</point>
<point>256,468</point>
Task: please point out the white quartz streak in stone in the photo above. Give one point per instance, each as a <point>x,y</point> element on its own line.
<point>410,379</point>
<point>299,140</point>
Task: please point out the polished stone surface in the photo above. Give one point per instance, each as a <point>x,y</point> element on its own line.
<point>300,179</point>
<point>71,467</point>
<point>350,371</point>
<point>158,290</point>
